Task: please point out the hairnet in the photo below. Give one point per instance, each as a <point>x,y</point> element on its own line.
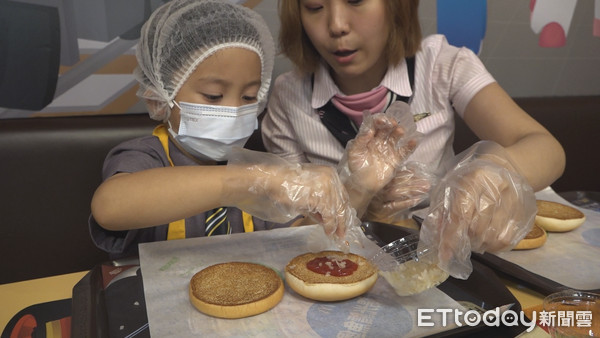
<point>181,34</point>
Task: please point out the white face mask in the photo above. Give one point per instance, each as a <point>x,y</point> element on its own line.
<point>209,132</point>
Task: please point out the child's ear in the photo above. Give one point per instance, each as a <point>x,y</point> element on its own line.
<point>152,104</point>
<point>157,109</point>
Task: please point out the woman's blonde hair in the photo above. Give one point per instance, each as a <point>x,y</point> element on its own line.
<point>404,39</point>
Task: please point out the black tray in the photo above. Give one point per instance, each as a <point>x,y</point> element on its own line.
<point>92,319</point>
<point>502,267</point>
<point>522,276</point>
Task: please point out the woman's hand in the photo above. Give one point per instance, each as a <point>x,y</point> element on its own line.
<point>382,145</point>
<point>482,204</point>
<point>376,153</point>
<point>406,190</point>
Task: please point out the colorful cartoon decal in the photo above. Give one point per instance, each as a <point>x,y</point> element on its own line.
<point>551,20</point>
<point>463,22</point>
<point>50,320</point>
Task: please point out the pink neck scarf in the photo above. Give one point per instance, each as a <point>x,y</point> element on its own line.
<point>354,105</point>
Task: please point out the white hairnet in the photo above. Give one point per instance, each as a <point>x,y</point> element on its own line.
<point>181,34</point>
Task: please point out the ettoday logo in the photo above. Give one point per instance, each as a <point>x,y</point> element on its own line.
<point>497,317</point>
<point>494,317</point>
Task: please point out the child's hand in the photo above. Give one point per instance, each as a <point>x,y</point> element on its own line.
<point>272,189</point>
<point>482,204</point>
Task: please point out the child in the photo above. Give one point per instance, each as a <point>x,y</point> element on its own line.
<point>353,56</point>
<point>204,68</point>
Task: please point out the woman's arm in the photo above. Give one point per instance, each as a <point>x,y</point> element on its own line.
<point>493,115</point>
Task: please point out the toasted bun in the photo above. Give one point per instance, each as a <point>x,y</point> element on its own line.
<point>557,217</point>
<point>235,290</point>
<point>534,239</point>
<point>327,288</point>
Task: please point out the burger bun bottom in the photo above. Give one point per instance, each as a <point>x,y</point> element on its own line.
<point>534,239</point>
<point>558,217</point>
<point>330,292</point>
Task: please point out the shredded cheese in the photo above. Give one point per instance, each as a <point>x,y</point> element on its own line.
<point>414,277</point>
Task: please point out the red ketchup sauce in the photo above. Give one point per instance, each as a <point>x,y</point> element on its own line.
<point>332,266</point>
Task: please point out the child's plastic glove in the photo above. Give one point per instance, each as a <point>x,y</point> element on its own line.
<point>275,190</point>
<point>409,188</point>
<point>383,143</point>
<point>481,204</point>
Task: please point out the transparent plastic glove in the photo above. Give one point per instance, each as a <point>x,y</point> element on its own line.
<point>384,141</point>
<point>481,204</point>
<point>278,191</point>
<point>409,188</point>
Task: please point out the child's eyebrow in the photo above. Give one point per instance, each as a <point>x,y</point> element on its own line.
<point>224,82</point>
<point>210,79</point>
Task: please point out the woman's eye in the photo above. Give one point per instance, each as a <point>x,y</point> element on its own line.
<point>312,7</point>
<point>354,2</point>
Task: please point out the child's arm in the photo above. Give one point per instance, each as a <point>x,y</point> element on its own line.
<point>276,193</point>
<point>156,196</point>
<point>493,115</point>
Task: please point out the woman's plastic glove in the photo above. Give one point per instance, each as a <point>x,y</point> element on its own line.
<point>481,204</point>
<point>409,188</point>
<point>371,160</point>
<point>270,188</point>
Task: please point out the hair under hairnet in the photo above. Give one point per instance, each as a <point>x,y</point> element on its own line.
<point>181,34</point>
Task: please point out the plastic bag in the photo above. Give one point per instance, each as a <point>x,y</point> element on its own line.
<point>273,189</point>
<point>407,190</point>
<point>372,159</point>
<point>481,204</point>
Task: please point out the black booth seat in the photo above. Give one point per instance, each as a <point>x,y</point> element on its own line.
<point>50,169</point>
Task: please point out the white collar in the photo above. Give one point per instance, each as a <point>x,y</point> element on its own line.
<point>395,79</point>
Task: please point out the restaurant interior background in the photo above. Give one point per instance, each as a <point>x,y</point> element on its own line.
<point>75,58</point>
<point>85,66</point>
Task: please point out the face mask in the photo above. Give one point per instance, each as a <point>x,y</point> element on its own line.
<point>209,132</point>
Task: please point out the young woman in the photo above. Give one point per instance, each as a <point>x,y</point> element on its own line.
<point>361,55</point>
